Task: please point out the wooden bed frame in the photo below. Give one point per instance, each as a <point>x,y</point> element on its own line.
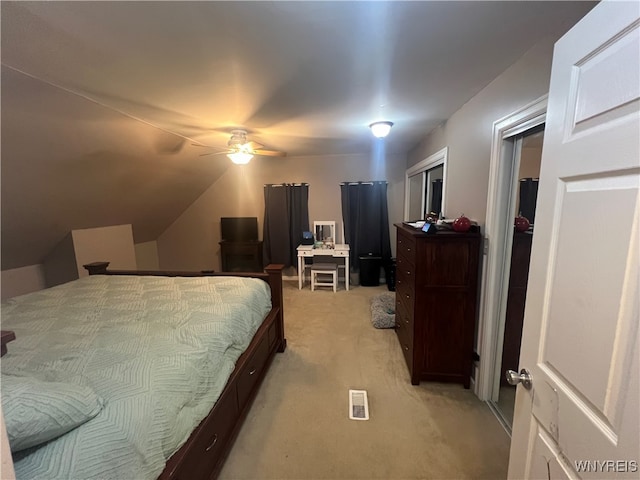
<point>203,455</point>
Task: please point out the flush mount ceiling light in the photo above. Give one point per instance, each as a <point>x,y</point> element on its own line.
<point>381,129</point>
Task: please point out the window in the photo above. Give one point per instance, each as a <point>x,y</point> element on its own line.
<point>425,185</point>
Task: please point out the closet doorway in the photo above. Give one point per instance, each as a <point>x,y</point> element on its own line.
<point>520,132</point>
<point>527,157</point>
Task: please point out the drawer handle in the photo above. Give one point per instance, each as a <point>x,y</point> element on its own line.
<point>406,348</point>
<point>253,371</point>
<point>215,440</point>
<point>408,296</point>
<point>406,320</point>
<point>408,249</point>
<point>408,272</point>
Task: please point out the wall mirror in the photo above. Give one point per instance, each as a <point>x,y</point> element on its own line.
<point>325,232</point>
<point>425,185</point>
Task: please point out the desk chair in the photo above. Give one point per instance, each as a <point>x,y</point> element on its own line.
<point>324,269</point>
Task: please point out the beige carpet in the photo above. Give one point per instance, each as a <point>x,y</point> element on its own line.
<point>298,427</point>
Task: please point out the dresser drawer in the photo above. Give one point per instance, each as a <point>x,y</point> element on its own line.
<point>405,273</point>
<point>405,292</point>
<point>404,313</point>
<point>406,258</point>
<point>405,287</point>
<point>406,246</point>
<point>209,445</point>
<point>404,283</point>
<point>253,368</point>
<point>405,338</point>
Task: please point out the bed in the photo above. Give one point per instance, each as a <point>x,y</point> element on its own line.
<point>154,379</point>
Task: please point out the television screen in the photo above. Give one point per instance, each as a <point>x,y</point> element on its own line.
<point>239,229</point>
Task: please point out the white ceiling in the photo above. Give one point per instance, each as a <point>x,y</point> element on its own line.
<point>132,85</point>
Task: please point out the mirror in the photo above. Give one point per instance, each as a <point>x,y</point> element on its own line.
<point>433,189</point>
<point>425,185</point>
<point>325,234</point>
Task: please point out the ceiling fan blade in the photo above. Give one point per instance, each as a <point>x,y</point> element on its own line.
<point>270,153</point>
<point>255,145</point>
<point>213,153</point>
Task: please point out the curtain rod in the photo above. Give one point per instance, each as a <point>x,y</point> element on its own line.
<point>285,184</point>
<point>364,183</point>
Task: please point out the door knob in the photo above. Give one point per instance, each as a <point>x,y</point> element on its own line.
<point>524,377</point>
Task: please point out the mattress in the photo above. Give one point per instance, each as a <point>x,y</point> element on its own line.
<point>156,350</point>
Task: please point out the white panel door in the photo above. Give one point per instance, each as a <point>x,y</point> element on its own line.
<point>580,418</point>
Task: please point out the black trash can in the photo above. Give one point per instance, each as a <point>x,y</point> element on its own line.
<point>370,270</point>
<point>390,274</point>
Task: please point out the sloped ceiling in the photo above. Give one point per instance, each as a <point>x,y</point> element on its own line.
<point>102,102</point>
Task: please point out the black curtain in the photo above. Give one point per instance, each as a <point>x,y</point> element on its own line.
<point>528,198</point>
<point>286,216</point>
<point>366,219</point>
<point>436,196</point>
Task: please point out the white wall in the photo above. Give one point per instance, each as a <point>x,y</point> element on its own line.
<point>19,281</point>
<point>468,132</point>
<point>191,242</point>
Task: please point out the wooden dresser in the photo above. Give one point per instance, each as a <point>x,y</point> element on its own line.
<point>436,297</point>
<point>241,256</point>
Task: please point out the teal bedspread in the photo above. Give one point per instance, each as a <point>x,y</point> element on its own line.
<point>157,350</point>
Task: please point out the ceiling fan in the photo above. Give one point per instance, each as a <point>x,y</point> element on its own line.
<point>241,150</point>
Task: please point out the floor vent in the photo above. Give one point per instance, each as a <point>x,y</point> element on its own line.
<point>358,405</point>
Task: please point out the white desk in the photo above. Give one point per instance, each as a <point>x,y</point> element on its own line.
<point>340,250</point>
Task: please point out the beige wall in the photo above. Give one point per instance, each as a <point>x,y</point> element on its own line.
<point>530,159</point>
<point>468,132</point>
<point>192,241</point>
<point>147,255</point>
<point>60,264</point>
<point>19,281</point>
<point>113,244</point>
<point>63,268</point>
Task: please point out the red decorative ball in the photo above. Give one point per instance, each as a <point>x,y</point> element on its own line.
<point>461,224</point>
<point>521,223</point>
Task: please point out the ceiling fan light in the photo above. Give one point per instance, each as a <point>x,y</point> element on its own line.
<point>381,129</point>
<point>240,158</point>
